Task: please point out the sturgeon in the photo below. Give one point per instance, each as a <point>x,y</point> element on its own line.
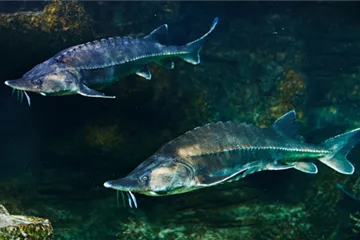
<point>86,68</point>
<point>223,152</point>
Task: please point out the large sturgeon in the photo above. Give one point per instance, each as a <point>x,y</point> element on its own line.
<point>226,151</point>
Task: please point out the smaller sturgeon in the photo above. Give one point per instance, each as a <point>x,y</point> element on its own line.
<point>225,151</point>
<point>98,64</point>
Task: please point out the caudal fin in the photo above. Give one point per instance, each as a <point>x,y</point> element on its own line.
<point>339,147</point>
<point>193,48</point>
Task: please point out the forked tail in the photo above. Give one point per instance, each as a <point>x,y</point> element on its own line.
<point>193,48</point>
<point>339,147</point>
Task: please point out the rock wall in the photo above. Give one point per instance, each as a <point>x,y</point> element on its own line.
<point>262,60</point>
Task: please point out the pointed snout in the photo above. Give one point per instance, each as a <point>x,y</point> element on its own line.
<point>108,184</point>
<point>10,83</point>
<point>124,184</point>
<point>19,84</point>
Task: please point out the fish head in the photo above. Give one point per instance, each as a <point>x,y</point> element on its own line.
<point>157,176</point>
<point>47,78</point>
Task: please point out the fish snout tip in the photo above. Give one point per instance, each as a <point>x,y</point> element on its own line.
<point>12,83</point>
<point>107,184</point>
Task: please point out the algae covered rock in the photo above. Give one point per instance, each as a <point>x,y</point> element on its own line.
<point>57,16</point>
<point>22,227</point>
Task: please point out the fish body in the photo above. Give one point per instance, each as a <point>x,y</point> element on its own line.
<point>226,151</point>
<point>86,68</point>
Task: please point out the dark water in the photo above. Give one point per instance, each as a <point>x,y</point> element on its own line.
<point>262,60</point>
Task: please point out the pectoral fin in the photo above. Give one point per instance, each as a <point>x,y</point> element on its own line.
<point>215,179</point>
<point>88,92</point>
<point>211,180</point>
<point>144,72</point>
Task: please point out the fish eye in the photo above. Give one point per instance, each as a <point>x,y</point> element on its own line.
<point>37,82</point>
<point>144,178</point>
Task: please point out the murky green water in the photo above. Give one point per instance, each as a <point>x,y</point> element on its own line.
<point>262,60</point>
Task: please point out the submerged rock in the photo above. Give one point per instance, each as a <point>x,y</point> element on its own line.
<point>17,227</point>
<point>57,16</point>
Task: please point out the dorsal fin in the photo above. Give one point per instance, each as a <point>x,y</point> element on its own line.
<point>287,126</point>
<point>159,35</point>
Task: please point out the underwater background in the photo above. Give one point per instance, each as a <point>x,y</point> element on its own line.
<point>262,60</point>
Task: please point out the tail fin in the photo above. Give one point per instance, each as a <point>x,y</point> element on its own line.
<point>339,147</point>
<point>194,47</point>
